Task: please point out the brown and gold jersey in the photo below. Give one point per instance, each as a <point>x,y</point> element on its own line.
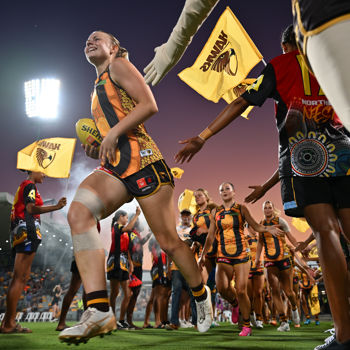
<point>230,232</point>
<point>275,247</point>
<point>110,104</point>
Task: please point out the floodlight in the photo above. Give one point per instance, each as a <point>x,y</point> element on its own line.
<point>41,98</point>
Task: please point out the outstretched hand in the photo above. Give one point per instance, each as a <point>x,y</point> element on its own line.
<point>257,193</point>
<point>193,145</point>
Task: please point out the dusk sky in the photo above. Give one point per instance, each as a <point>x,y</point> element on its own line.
<point>46,39</point>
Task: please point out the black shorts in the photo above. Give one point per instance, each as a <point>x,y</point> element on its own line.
<point>74,268</point>
<point>282,265</point>
<point>147,181</point>
<point>253,273</point>
<point>118,274</point>
<point>28,246</point>
<point>232,262</point>
<point>299,192</point>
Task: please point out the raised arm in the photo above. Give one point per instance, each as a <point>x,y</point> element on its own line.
<point>132,222</point>
<point>274,230</point>
<point>167,55</point>
<point>194,144</point>
<point>260,190</point>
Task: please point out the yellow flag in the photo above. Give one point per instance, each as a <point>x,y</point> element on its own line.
<point>53,156</point>
<point>187,201</point>
<point>313,301</point>
<point>225,61</point>
<point>177,172</point>
<point>300,224</point>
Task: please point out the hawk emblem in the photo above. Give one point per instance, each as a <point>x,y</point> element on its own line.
<point>222,63</point>
<point>44,159</point>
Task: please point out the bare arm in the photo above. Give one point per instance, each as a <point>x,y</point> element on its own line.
<point>260,190</point>
<point>274,230</point>
<point>146,238</point>
<point>132,222</point>
<point>35,209</point>
<point>194,144</point>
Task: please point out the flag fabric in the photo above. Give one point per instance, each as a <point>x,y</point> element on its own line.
<point>177,172</point>
<point>187,201</point>
<point>300,224</point>
<point>52,156</point>
<point>225,61</point>
<point>313,301</point>
<point>235,92</point>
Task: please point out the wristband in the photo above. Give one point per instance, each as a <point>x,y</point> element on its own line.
<point>205,134</point>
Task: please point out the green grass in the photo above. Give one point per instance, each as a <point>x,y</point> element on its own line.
<point>226,336</point>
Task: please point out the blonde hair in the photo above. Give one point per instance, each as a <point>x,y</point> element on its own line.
<point>122,52</point>
<point>276,211</point>
<point>210,204</point>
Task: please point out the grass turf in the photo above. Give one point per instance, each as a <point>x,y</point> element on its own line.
<point>44,337</point>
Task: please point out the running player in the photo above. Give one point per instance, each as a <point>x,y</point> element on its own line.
<point>161,285</point>
<point>233,257</point>
<point>278,262</point>
<point>119,264</point>
<point>199,232</point>
<point>256,280</point>
<point>57,292</point>
<point>137,242</point>
<point>131,166</point>
<point>316,187</point>
<point>25,240</point>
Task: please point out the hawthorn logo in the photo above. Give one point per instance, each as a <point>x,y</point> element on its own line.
<point>44,158</point>
<point>223,62</point>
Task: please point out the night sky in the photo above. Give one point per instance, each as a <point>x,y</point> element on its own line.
<point>46,39</point>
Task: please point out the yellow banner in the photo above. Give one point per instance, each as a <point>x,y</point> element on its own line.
<point>225,61</point>
<point>53,156</point>
<point>300,224</point>
<point>187,201</point>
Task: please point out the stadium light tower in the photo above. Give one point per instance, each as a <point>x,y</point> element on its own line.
<point>41,98</point>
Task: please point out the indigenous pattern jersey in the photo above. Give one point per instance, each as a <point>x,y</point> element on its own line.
<point>136,149</point>
<point>312,140</point>
<point>136,248</point>
<point>230,233</point>
<point>24,225</point>
<point>118,253</point>
<point>202,220</point>
<point>275,248</point>
<point>253,244</point>
<point>310,17</point>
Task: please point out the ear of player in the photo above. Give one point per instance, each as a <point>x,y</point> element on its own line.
<point>87,132</point>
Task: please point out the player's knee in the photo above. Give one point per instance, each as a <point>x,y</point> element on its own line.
<point>93,207</point>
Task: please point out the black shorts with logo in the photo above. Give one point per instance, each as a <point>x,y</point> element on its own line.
<point>282,265</point>
<point>28,246</point>
<point>147,181</point>
<point>299,192</point>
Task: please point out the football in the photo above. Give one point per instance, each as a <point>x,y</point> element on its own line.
<point>87,132</point>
